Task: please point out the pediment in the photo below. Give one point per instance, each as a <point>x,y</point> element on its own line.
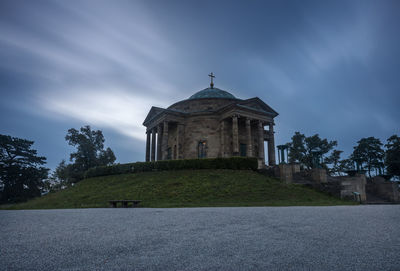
<point>258,105</point>
<point>154,111</point>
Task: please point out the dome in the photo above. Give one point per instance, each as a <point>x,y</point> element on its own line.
<point>212,93</point>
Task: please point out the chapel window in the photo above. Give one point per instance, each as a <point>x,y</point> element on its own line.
<point>243,149</point>
<point>202,149</point>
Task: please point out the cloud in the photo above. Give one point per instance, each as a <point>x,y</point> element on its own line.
<point>349,39</point>
<point>119,110</point>
<point>87,44</point>
<point>101,65</point>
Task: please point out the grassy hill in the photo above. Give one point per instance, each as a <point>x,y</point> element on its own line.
<point>183,188</point>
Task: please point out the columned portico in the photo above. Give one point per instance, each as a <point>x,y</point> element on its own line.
<point>148,146</point>
<point>261,142</point>
<point>271,146</point>
<point>159,140</point>
<point>179,140</point>
<point>153,144</point>
<point>164,147</point>
<point>235,136</point>
<point>249,150</point>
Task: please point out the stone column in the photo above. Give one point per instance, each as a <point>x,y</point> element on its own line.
<point>179,140</point>
<point>164,147</point>
<point>235,135</point>
<point>249,141</point>
<point>222,135</point>
<point>159,138</point>
<point>261,142</point>
<point>271,145</point>
<point>153,144</point>
<point>147,146</point>
<point>279,157</point>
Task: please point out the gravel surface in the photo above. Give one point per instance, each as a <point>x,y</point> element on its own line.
<point>252,238</point>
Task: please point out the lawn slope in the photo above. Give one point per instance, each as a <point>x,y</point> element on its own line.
<point>183,188</point>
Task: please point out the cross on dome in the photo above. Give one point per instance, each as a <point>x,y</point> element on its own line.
<point>211,76</point>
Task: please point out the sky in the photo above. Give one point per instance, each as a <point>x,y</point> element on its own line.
<point>327,67</point>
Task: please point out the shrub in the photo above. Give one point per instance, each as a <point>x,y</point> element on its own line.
<point>209,163</point>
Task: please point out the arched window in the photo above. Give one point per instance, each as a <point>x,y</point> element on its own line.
<point>243,149</point>
<point>201,149</point>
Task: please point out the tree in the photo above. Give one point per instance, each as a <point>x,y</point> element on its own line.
<point>346,165</point>
<point>21,171</point>
<point>59,178</point>
<point>334,159</point>
<point>296,148</point>
<point>322,146</point>
<point>392,157</point>
<point>89,153</point>
<point>303,148</point>
<point>369,153</point>
<point>66,174</point>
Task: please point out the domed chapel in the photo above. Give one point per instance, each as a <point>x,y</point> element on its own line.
<point>211,123</point>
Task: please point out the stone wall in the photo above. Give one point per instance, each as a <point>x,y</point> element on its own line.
<point>318,175</point>
<point>384,189</point>
<point>295,168</point>
<point>227,138</point>
<point>353,184</point>
<point>286,173</point>
<point>172,138</point>
<point>202,128</point>
<point>255,140</point>
<point>343,187</point>
<point>207,128</point>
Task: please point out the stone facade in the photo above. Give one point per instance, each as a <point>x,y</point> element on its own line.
<point>353,184</point>
<point>384,189</point>
<point>211,123</point>
<point>318,175</point>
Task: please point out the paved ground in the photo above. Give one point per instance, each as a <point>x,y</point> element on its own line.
<point>263,238</point>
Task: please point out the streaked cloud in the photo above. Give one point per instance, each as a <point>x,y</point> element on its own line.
<point>97,72</point>
<point>121,111</point>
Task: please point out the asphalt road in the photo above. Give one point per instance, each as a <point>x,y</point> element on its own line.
<point>253,238</point>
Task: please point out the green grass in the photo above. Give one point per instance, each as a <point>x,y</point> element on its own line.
<point>183,188</point>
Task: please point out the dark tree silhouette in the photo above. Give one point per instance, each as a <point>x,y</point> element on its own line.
<point>302,149</point>
<point>392,159</point>
<point>89,153</point>
<point>369,154</point>
<point>334,160</point>
<point>21,171</point>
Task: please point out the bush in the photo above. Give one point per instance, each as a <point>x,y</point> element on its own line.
<point>210,163</point>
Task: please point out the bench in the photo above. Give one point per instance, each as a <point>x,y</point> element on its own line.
<point>124,203</point>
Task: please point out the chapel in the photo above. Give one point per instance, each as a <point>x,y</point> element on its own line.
<point>211,123</point>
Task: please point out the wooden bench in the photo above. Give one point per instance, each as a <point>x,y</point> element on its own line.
<point>124,203</point>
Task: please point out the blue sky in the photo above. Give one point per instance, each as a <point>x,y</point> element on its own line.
<point>327,67</point>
